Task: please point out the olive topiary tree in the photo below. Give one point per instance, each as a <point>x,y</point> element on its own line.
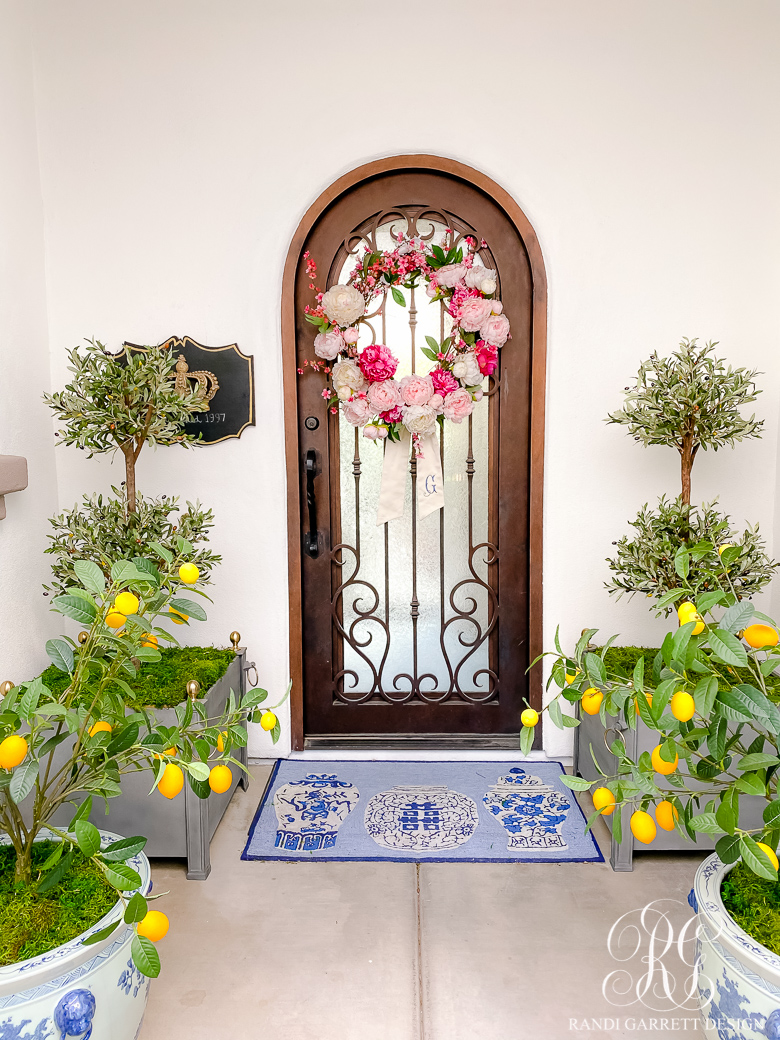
<point>120,402</point>
<point>688,401</point>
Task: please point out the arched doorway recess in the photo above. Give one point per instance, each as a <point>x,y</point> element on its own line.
<point>411,632</point>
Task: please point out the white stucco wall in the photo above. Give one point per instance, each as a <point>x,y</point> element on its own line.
<point>25,429</point>
<point>181,141</point>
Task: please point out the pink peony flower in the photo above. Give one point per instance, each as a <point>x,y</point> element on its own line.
<point>385,395</point>
<point>328,345</point>
<point>395,415</point>
<point>474,312</point>
<point>443,381</point>
<point>487,358</point>
<point>458,405</point>
<point>377,363</point>
<point>495,330</point>
<point>451,275</point>
<point>357,411</point>
<point>437,402</point>
<point>370,432</point>
<point>351,335</point>
<point>416,390</point>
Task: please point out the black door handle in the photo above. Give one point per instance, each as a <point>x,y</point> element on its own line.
<point>311,541</point>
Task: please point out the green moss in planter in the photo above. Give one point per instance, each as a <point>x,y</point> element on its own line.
<point>621,660</point>
<point>163,684</point>
<point>31,924</point>
<point>754,904</point>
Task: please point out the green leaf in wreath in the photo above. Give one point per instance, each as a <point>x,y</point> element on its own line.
<point>398,296</point>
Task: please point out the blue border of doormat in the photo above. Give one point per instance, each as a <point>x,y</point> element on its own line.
<point>245,855</point>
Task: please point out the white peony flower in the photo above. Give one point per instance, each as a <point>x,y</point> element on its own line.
<point>420,419</point>
<point>347,376</point>
<point>343,305</point>
<point>467,370</point>
<point>481,278</point>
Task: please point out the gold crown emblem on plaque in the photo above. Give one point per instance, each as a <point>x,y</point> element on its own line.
<point>207,382</point>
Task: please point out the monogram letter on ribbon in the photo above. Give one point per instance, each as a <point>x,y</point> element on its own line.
<point>430,482</point>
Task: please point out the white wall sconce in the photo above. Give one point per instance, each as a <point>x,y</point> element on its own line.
<point>13,477</point>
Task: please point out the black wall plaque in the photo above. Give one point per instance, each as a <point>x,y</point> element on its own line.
<point>226,379</point>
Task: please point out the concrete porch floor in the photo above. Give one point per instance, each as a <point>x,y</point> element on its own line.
<point>385,951</point>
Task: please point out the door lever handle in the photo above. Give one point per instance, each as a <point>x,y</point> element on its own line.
<point>311,541</point>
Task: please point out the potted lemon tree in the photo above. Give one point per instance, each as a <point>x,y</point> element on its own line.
<point>691,402</point>
<point>713,770</point>
<point>77,934</point>
<point>118,404</point>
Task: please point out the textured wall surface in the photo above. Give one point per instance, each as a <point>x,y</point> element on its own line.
<point>181,142</point>
<point>25,429</point>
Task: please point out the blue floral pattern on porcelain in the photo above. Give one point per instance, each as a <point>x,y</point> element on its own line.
<point>531,811</point>
<point>310,811</point>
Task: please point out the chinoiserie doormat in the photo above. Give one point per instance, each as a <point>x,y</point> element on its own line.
<point>417,812</point>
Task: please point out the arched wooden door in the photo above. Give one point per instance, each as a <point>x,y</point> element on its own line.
<point>421,627</point>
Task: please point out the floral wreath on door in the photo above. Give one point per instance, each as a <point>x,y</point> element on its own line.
<point>361,381</point>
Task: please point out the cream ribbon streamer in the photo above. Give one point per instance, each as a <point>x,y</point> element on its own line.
<point>430,483</point>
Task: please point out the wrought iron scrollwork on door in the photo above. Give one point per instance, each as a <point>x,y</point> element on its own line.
<point>448,652</point>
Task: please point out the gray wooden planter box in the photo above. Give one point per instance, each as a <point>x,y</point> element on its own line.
<point>592,734</point>
<point>181,827</point>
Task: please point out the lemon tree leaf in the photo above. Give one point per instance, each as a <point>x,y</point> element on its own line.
<point>75,607</point>
<point>198,769</point>
<point>737,616</point>
<point>104,933</point>
<point>23,781</point>
<point>88,837</point>
<point>706,823</point>
<point>576,783</point>
<point>727,648</point>
<point>145,957</point>
<point>756,858</point>
<point>526,739</point>
<point>189,607</point>
<point>136,909</point>
<point>124,849</point>
<point>55,876</point>
<point>60,654</point>
<point>90,575</point>
<point>757,761</point>
<point>121,876</point>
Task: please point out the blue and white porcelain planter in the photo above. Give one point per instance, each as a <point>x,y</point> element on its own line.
<point>78,992</point>
<point>739,980</point>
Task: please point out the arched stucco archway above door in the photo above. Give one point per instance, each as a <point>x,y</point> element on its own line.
<point>447,664</point>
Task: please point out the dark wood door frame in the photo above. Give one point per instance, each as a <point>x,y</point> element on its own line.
<point>538,380</point>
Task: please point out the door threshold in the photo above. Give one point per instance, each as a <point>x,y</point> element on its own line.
<point>414,742</point>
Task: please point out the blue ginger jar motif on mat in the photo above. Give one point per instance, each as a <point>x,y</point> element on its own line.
<point>532,811</point>
<point>422,818</point>
<point>310,811</point>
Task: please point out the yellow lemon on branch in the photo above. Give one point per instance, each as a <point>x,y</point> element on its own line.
<point>13,751</point>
